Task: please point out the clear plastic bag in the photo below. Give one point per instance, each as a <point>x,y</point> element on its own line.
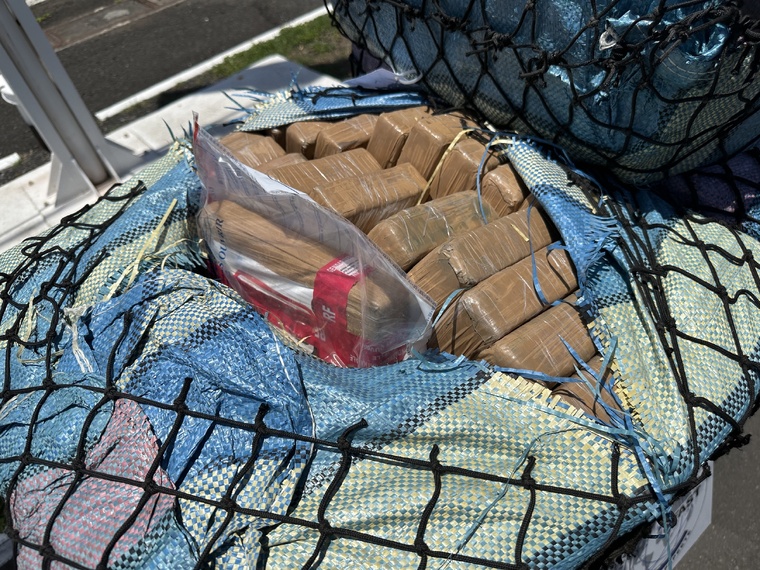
<point>312,272</point>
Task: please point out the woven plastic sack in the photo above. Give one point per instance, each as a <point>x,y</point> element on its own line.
<point>644,89</point>
<point>672,299</point>
<point>92,331</point>
<point>94,255</point>
<point>434,460</point>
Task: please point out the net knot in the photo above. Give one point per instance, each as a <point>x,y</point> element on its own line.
<point>78,465</point>
<point>420,548</point>
<point>747,363</point>
<point>527,477</point>
<point>325,527</point>
<point>450,23</point>
<point>47,551</point>
<point>497,40</point>
<point>344,445</point>
<point>435,465</point>
<point>228,504</point>
<point>259,425</point>
<point>491,42</point>
<point>669,323</point>
<point>623,502</point>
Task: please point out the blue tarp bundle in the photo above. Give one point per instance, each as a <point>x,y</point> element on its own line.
<point>643,89</point>
<point>152,419</point>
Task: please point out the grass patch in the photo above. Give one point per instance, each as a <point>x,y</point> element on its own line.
<point>316,44</point>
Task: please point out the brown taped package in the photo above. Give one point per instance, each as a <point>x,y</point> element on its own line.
<point>366,200</point>
<point>251,149</point>
<point>306,176</point>
<point>429,139</point>
<point>537,345</point>
<point>501,303</point>
<point>370,305</point>
<point>284,160</point>
<point>579,394</point>
<point>278,134</point>
<point>459,168</point>
<point>302,137</point>
<point>411,234</point>
<point>391,132</point>
<point>503,189</point>
<point>467,259</point>
<point>528,202</point>
<point>345,135</point>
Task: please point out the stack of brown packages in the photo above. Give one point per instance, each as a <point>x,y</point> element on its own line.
<point>251,149</point>
<point>297,258</point>
<point>459,168</point>
<point>302,137</point>
<point>466,260</point>
<point>306,176</point>
<point>285,160</point>
<point>429,139</point>
<point>366,200</point>
<point>446,244</point>
<point>539,344</point>
<point>497,306</point>
<point>503,190</point>
<point>409,235</point>
<point>391,132</point>
<point>345,135</point>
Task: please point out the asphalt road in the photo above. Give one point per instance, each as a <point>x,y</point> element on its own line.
<point>110,67</point>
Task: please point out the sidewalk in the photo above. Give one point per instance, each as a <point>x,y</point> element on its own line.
<point>28,210</point>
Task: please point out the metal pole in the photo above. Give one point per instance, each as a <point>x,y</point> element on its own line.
<point>21,52</point>
<point>82,157</point>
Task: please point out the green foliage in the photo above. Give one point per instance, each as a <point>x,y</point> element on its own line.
<point>316,44</point>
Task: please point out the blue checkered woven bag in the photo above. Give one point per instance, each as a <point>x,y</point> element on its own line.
<point>641,89</point>
<point>134,385</point>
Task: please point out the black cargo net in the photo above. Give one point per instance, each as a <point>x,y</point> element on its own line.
<point>130,541</point>
<point>728,190</point>
<point>641,89</point>
<point>736,351</point>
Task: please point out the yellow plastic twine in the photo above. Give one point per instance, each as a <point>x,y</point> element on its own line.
<point>134,267</point>
<point>426,191</point>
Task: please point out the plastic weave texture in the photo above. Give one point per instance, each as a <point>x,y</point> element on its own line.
<point>151,419</point>
<point>270,110</point>
<point>644,89</point>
